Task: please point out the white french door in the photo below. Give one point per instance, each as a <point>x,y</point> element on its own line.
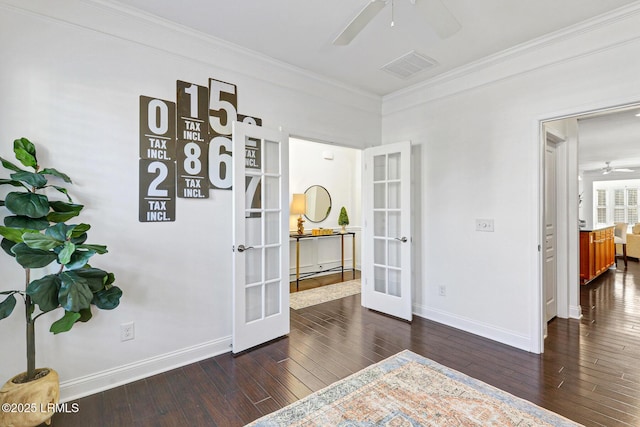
<point>260,235</point>
<point>386,276</point>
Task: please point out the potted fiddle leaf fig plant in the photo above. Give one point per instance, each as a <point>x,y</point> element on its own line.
<point>36,234</point>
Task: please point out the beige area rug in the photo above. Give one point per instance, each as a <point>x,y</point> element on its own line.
<point>302,299</point>
<point>410,390</point>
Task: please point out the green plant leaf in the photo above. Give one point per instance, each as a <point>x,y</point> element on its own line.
<point>60,231</point>
<point>79,259</point>
<point>44,292</point>
<point>85,314</point>
<point>25,151</point>
<point>64,257</point>
<point>40,241</point>
<point>74,294</point>
<point>32,258</point>
<point>6,245</point>
<point>24,222</point>
<point>94,276</point>
<point>110,279</point>
<point>99,249</point>
<point>28,204</point>
<point>66,323</point>
<point>63,191</point>
<point>7,306</point>
<point>107,299</point>
<point>8,165</point>
<point>57,173</point>
<point>13,234</point>
<point>63,211</point>
<point>80,229</point>
<point>33,179</point>
<point>12,182</point>
<point>80,239</point>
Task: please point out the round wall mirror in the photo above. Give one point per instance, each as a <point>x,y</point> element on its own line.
<point>318,203</point>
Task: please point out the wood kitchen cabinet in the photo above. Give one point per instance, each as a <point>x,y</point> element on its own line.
<point>597,252</point>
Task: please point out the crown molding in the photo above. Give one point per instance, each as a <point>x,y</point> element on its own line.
<point>503,57</point>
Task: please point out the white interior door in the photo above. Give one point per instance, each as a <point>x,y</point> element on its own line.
<point>550,246</point>
<point>386,275</point>
<point>260,235</point>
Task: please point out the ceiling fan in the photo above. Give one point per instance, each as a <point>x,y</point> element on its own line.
<point>435,13</point>
<point>608,169</point>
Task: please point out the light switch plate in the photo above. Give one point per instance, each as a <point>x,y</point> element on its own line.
<point>484,225</point>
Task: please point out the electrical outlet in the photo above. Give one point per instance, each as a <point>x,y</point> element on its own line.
<point>442,291</point>
<point>127,331</point>
<point>484,225</point>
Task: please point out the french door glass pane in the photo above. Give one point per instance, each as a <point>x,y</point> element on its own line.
<point>272,263</point>
<point>394,195</point>
<point>272,298</point>
<point>379,224</point>
<point>394,166</point>
<point>271,228</point>
<point>379,168</point>
<point>253,236</point>
<point>379,252</point>
<point>394,224</point>
<point>253,303</point>
<point>395,283</point>
<point>253,265</point>
<point>379,195</point>
<point>394,253</point>
<point>271,157</point>
<point>271,192</point>
<point>380,279</point>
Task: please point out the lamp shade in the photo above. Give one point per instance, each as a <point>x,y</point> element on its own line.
<point>299,204</point>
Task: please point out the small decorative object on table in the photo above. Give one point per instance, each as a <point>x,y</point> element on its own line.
<point>343,220</point>
<point>321,231</point>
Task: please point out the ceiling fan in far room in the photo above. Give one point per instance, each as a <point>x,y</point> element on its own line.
<point>608,169</point>
<point>435,13</point>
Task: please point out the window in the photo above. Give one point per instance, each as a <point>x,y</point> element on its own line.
<point>616,201</point>
<point>601,206</point>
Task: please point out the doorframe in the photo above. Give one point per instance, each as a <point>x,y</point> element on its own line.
<point>568,289</point>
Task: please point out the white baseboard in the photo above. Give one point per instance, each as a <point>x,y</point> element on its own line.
<point>110,378</point>
<point>575,312</point>
<point>482,329</point>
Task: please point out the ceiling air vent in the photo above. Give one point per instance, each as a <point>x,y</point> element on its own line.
<point>409,64</point>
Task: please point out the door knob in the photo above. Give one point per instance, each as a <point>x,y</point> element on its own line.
<point>402,239</point>
<point>242,248</point>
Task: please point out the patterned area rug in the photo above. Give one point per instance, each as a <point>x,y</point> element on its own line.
<point>302,299</point>
<point>410,390</point>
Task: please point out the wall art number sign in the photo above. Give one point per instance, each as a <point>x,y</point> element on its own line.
<point>186,148</point>
<point>193,140</point>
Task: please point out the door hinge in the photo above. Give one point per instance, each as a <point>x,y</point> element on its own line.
<point>539,248</point>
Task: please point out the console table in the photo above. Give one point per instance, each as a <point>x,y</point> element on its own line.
<point>299,237</point>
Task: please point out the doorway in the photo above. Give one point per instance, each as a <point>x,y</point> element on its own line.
<point>583,143</point>
<point>336,169</point>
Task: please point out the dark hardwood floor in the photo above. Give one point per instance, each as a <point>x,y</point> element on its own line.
<point>590,371</point>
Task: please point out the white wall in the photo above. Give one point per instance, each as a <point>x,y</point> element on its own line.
<point>70,81</point>
<point>478,128</point>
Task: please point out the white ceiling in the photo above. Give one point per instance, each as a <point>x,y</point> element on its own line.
<point>300,32</point>
<point>609,137</point>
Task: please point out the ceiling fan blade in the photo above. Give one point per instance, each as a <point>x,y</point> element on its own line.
<point>359,22</point>
<point>623,170</point>
<point>443,22</point>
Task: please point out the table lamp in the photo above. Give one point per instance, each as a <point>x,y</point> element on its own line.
<point>299,207</point>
